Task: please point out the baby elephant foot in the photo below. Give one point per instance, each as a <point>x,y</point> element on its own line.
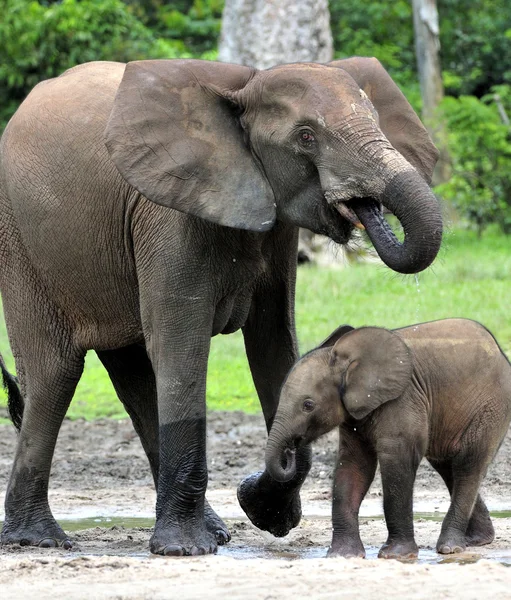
<point>268,507</point>
<point>451,543</point>
<point>347,549</point>
<point>45,533</point>
<point>216,526</point>
<point>401,549</point>
<point>177,541</point>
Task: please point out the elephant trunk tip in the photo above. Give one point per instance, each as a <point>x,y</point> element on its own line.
<point>282,465</point>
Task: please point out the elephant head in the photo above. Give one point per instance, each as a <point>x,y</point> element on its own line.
<point>319,146</point>
<point>350,375</point>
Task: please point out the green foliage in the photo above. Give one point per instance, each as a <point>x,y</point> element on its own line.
<point>480,148</point>
<point>469,279</point>
<point>40,41</point>
<point>380,29</point>
<point>475,38</point>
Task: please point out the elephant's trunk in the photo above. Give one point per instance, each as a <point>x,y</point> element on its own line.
<point>411,200</point>
<point>280,456</point>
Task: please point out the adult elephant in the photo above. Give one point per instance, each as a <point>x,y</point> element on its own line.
<point>146,207</point>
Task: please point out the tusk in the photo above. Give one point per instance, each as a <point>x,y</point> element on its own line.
<point>349,215</point>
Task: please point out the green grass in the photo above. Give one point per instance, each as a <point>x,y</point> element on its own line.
<point>471,278</point>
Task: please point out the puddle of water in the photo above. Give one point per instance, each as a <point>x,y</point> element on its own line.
<point>89,523</point>
<point>268,551</point>
<point>429,557</point>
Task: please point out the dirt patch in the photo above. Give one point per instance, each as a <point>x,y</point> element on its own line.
<point>100,470</point>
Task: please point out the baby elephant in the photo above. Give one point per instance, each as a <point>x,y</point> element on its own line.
<point>440,390</point>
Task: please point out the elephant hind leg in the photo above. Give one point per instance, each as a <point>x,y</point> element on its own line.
<point>132,376</point>
<point>480,529</point>
<point>49,381</point>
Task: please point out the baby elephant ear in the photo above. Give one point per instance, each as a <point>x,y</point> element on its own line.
<point>335,335</point>
<point>377,367</point>
<point>176,139</point>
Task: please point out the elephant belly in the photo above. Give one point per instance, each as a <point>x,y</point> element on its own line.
<point>231,313</point>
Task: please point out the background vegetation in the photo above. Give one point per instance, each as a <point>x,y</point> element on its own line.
<point>40,39</point>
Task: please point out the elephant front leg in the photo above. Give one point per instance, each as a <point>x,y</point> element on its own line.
<point>399,461</point>
<point>354,473</point>
<point>180,365</point>
<point>271,347</point>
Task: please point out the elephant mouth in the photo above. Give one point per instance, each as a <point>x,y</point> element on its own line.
<point>337,200</point>
<point>346,212</point>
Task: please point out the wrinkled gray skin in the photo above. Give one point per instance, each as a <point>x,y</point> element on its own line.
<point>145,208</point>
<point>440,390</point>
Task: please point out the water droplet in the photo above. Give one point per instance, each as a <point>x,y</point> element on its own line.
<point>418,307</point>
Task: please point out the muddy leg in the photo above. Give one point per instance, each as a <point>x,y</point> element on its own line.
<point>399,460</point>
<point>467,475</point>
<point>49,382</point>
<point>356,465</point>
<point>132,376</point>
<point>480,529</point>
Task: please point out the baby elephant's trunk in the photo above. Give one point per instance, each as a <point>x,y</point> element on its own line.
<point>280,455</point>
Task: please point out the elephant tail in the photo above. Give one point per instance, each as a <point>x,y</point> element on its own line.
<point>15,403</point>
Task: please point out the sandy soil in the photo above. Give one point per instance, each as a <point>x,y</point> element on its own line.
<point>100,472</point>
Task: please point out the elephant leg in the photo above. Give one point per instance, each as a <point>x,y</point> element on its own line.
<point>271,348</point>
<point>49,381</point>
<point>399,461</point>
<point>356,466</point>
<point>132,376</point>
<point>467,475</point>
<point>480,529</point>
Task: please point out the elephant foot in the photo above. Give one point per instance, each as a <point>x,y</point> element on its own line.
<point>44,533</point>
<point>216,526</point>
<point>268,507</point>
<point>182,541</point>
<point>480,532</point>
<point>347,549</point>
<point>451,543</point>
<point>400,549</point>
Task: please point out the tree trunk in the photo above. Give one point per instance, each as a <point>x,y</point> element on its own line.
<point>427,47</point>
<point>263,33</point>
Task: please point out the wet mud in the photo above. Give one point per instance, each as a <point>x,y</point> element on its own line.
<point>102,494</point>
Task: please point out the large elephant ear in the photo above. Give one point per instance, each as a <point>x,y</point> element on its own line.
<point>398,120</point>
<point>175,137</point>
<point>376,367</point>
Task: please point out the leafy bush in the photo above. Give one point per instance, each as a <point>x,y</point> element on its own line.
<point>480,147</point>
<point>41,41</point>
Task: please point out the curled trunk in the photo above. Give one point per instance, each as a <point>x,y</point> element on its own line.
<point>411,200</point>
<point>280,456</point>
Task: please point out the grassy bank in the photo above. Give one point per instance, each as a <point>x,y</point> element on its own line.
<point>471,278</point>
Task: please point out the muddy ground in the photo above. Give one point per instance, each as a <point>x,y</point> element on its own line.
<point>100,474</point>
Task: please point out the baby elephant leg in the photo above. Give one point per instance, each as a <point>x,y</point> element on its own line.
<point>356,465</point>
<point>399,461</point>
<point>480,529</point>
<point>467,475</point>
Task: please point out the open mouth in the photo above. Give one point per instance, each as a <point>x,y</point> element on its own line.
<point>346,212</point>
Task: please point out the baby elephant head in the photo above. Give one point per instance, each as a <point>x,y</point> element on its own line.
<point>349,375</point>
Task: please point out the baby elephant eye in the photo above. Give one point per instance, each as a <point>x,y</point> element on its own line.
<point>308,406</point>
<point>306,137</point>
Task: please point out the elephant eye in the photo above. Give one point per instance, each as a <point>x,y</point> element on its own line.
<point>308,406</point>
<point>306,138</point>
